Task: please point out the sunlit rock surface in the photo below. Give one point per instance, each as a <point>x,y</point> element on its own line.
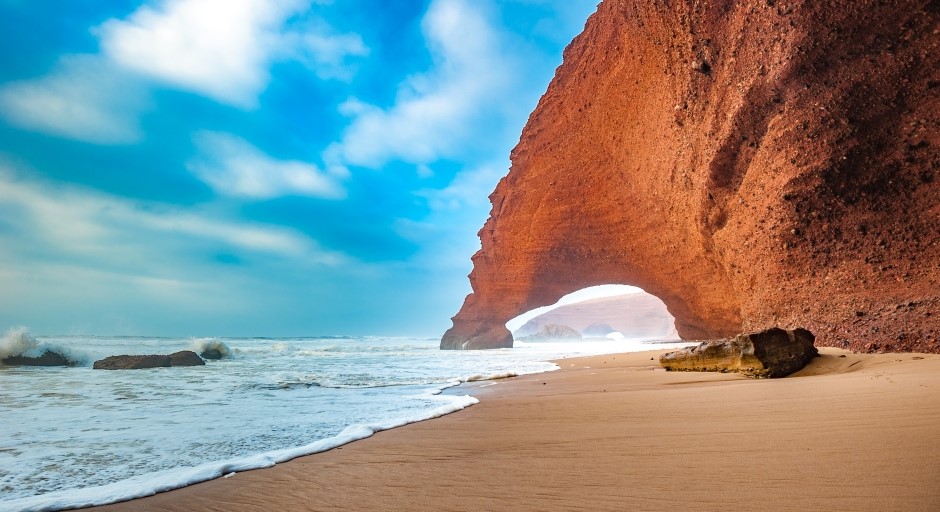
<point>771,353</point>
<point>752,164</point>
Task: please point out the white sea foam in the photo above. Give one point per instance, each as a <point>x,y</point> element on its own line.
<point>492,376</point>
<point>153,483</point>
<point>111,436</point>
<point>19,342</point>
<point>200,345</point>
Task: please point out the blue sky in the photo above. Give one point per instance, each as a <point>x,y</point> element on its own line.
<point>258,167</point>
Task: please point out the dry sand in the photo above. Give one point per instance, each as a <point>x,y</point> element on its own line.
<point>616,432</point>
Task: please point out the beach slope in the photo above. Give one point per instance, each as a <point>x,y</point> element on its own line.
<point>616,432</point>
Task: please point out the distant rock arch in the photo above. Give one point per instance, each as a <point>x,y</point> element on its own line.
<point>596,312</point>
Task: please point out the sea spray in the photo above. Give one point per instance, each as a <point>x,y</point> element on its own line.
<point>18,342</point>
<point>210,348</point>
<point>18,345</point>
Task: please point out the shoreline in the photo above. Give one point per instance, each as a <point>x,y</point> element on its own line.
<point>616,432</point>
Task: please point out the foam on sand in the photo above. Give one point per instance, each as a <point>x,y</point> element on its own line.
<point>618,432</point>
<point>153,483</point>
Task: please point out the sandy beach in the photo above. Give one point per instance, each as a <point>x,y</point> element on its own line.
<point>849,432</point>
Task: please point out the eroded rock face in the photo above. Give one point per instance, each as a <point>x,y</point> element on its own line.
<point>771,353</point>
<point>752,165</point>
<point>140,362</point>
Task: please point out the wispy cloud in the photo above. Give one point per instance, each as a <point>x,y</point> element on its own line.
<point>76,223</point>
<point>328,54</point>
<point>78,260</point>
<point>470,188</point>
<point>434,112</point>
<point>455,213</point>
<point>233,167</point>
<point>220,49</point>
<point>85,98</point>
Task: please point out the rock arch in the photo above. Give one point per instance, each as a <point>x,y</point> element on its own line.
<point>599,311</point>
<point>752,164</point>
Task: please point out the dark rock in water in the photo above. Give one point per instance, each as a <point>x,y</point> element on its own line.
<point>771,353</point>
<point>555,332</point>
<point>125,362</point>
<point>211,353</point>
<point>186,358</point>
<point>48,358</point>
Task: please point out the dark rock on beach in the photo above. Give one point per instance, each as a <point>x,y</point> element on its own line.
<point>48,358</point>
<point>771,353</point>
<point>139,362</point>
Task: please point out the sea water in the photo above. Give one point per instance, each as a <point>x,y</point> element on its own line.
<point>72,437</point>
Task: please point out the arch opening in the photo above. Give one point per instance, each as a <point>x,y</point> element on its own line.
<point>610,311</point>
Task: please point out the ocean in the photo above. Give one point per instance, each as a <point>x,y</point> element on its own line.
<point>74,436</point>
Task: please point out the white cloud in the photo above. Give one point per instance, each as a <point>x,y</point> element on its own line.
<point>71,222</point>
<point>424,171</point>
<point>220,48</point>
<point>469,188</point>
<point>74,260</point>
<point>434,112</point>
<point>456,212</point>
<point>233,167</point>
<point>84,98</point>
<point>325,53</point>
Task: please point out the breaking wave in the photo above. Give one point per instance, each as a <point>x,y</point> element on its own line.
<point>19,342</point>
<point>203,345</point>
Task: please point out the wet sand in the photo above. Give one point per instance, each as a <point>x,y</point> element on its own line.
<point>616,432</point>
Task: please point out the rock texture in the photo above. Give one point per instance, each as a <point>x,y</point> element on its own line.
<point>771,353</point>
<point>126,362</point>
<point>47,358</point>
<point>186,358</point>
<point>752,164</point>
<point>635,315</point>
<point>211,353</point>
<point>554,332</point>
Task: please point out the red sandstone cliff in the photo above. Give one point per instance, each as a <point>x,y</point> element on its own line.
<point>752,164</point>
